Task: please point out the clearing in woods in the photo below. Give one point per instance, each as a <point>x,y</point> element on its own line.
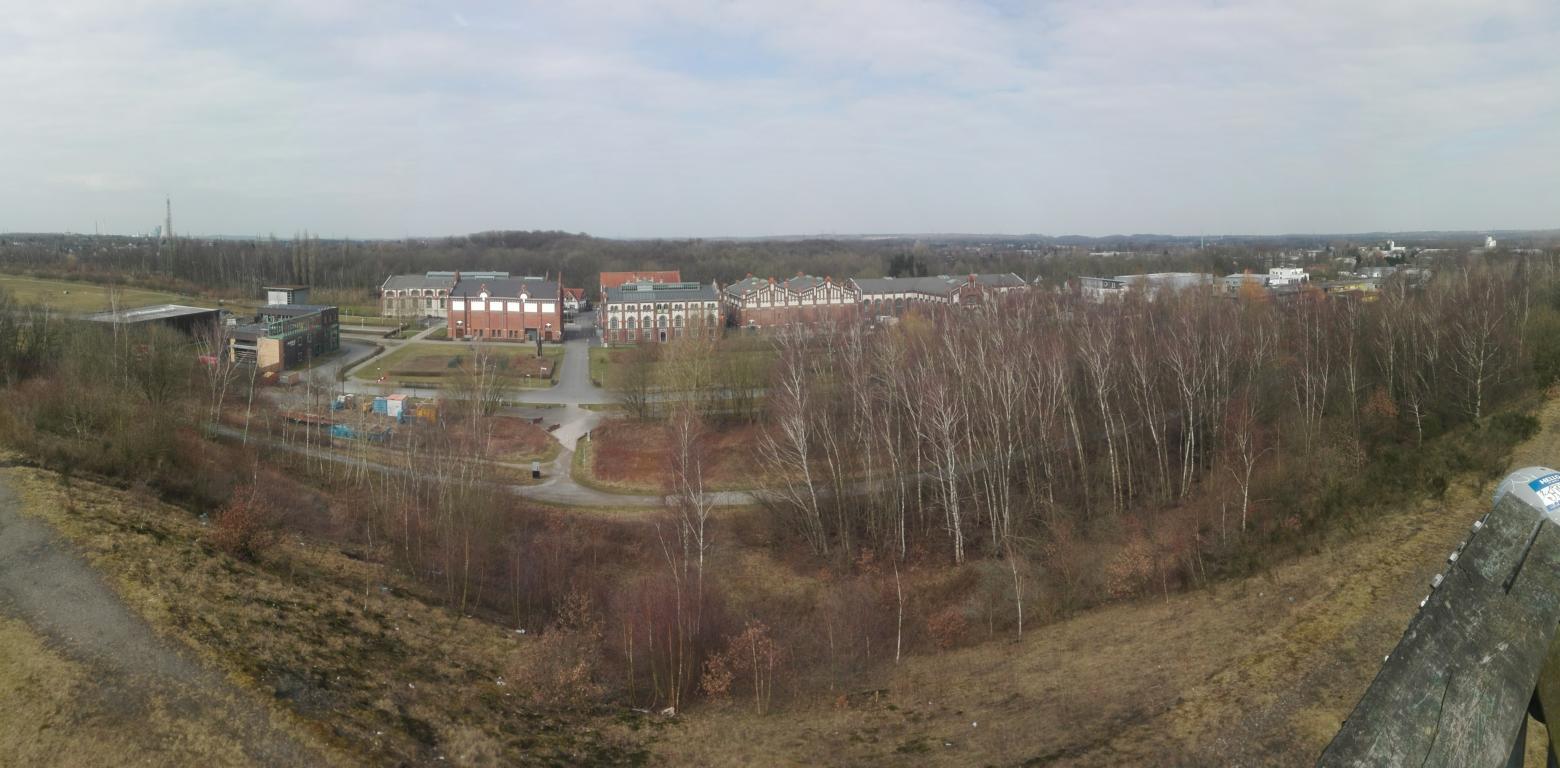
<point>1258,671</point>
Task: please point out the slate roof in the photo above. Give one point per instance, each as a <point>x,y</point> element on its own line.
<point>661,292</point>
<point>408,282</point>
<point>509,288</point>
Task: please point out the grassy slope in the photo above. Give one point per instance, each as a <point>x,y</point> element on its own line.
<point>74,297</point>
<point>607,363</point>
<point>41,690</point>
<point>343,643</point>
<point>1259,671</point>
<point>78,297</point>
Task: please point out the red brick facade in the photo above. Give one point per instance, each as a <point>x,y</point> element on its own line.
<point>507,310</point>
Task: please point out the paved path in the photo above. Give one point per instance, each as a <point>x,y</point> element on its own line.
<point>573,390</point>
<point>47,585</point>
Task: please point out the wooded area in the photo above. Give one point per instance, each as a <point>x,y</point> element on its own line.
<point>241,267</point>
<point>961,477</point>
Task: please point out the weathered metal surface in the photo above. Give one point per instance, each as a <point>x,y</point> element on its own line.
<point>1455,690</point>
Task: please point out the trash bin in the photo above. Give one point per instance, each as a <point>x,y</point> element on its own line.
<point>536,470</point>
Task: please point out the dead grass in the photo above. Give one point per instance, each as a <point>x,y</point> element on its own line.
<point>1259,671</point>
<point>436,363</point>
<point>626,456</point>
<point>81,297</point>
<point>60,712</point>
<point>349,650</point>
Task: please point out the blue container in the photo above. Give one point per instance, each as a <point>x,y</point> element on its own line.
<point>381,405</point>
<point>342,430</point>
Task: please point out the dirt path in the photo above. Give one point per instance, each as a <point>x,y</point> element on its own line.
<point>137,694</point>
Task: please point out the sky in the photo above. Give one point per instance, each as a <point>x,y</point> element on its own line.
<point>679,118</point>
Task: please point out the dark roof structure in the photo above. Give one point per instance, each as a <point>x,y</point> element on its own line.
<point>647,291</point>
<point>506,288</point>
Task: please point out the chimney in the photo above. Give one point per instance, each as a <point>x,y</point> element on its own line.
<point>457,277</point>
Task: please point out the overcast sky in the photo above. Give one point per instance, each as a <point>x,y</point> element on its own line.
<point>687,117</point>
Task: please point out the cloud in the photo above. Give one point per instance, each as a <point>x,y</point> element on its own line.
<point>738,117</point>
<point>100,182</point>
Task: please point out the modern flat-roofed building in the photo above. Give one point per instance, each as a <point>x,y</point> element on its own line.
<point>286,336</point>
<point>507,309</point>
<point>1149,285</point>
<point>659,312</point>
<point>286,294</point>
<point>191,320</point>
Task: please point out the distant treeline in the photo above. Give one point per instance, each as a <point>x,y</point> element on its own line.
<point>240,267</point>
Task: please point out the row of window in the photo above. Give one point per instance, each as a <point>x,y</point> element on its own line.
<point>393,304</point>
<point>661,322</point>
<point>662,306</point>
<point>500,333</point>
<point>790,301</point>
<point>654,335</point>
<point>478,305</point>
<point>416,292</point>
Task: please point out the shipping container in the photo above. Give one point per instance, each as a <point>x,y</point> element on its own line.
<point>381,405</point>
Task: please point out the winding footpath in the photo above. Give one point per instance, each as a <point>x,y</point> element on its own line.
<point>46,584</point>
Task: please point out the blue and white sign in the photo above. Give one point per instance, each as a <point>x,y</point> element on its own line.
<point>1548,490</point>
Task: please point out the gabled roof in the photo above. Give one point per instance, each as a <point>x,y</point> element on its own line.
<point>940,285</point>
<point>746,285</point>
<point>508,288</point>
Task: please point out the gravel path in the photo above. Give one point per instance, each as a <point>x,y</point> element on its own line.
<point>47,585</point>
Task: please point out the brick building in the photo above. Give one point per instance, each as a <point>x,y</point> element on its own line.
<point>805,302</point>
<point>893,296</point>
<point>509,309</point>
<point>659,312</point>
<point>425,295</point>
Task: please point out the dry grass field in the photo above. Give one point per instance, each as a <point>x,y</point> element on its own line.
<point>345,646</point>
<point>435,363</point>
<point>73,297</point>
<point>627,456</point>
